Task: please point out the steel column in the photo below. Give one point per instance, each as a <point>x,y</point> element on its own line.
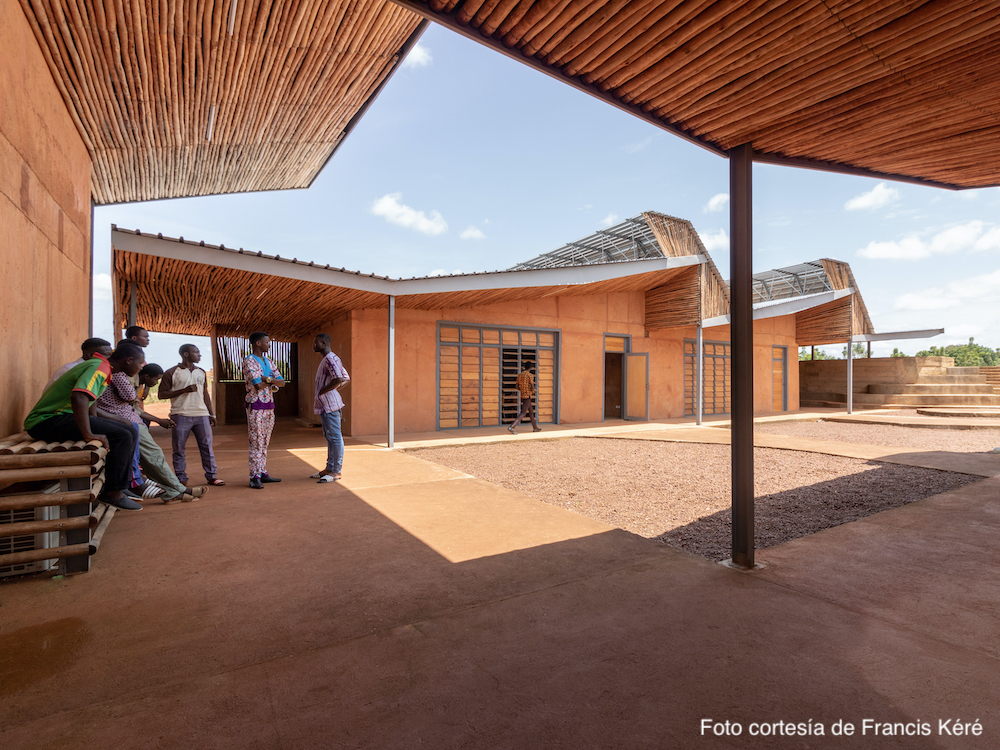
<point>392,369</point>
<point>741,337</point>
<point>850,377</point>
<point>132,302</point>
<point>850,364</point>
<point>699,375</point>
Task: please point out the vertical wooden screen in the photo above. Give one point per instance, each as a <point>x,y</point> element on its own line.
<point>779,378</point>
<point>718,377</point>
<point>477,374</point>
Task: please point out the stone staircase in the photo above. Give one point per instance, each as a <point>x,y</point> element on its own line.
<point>992,375</point>
<point>900,382</point>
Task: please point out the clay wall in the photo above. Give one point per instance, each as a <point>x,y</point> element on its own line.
<point>44,222</point>
<point>581,321</point>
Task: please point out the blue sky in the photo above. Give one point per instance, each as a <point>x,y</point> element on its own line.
<point>469,161</point>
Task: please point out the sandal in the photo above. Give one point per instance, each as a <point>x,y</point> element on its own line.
<point>217,483</point>
<point>198,491</point>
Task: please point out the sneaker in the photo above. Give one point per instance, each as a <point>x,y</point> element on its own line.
<point>536,429</point>
<point>255,483</point>
<point>124,503</point>
<point>511,430</point>
<point>265,479</point>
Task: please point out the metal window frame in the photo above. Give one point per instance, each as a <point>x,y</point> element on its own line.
<point>556,350</point>
<point>694,364</point>
<point>604,380</point>
<point>784,375</point>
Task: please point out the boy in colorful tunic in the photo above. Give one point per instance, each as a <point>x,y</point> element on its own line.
<point>261,378</point>
<point>64,413</point>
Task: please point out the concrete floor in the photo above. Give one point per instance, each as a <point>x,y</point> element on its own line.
<point>414,606</point>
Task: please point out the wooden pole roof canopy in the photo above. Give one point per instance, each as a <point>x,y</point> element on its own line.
<point>905,90</point>
<point>199,97</point>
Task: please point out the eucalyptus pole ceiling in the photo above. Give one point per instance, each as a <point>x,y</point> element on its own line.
<point>197,97</point>
<point>905,89</point>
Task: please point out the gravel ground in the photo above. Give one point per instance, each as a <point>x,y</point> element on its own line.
<point>917,438</point>
<point>679,493</point>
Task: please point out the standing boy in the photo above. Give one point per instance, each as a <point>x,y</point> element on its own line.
<point>186,385</point>
<point>330,378</point>
<point>261,378</point>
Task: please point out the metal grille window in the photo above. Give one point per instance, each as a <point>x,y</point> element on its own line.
<point>717,377</point>
<point>477,373</point>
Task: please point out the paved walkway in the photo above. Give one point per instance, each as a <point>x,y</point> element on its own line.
<point>413,606</point>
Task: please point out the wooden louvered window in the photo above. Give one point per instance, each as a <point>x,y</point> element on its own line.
<point>477,374</point>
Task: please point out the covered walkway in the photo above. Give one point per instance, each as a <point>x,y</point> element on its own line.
<point>416,606</point>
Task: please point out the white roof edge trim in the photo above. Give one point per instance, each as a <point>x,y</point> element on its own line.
<point>558,276</point>
<point>897,335</point>
<point>225,258</point>
<point>786,307</point>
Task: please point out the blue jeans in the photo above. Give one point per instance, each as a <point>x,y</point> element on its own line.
<point>334,441</point>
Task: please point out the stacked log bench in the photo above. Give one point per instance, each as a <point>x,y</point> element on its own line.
<point>65,477</point>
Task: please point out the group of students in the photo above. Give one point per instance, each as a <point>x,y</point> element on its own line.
<point>263,380</point>
<point>100,397</point>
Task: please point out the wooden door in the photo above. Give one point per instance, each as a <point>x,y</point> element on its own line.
<point>636,387</point>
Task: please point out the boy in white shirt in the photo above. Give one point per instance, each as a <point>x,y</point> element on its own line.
<point>186,385</point>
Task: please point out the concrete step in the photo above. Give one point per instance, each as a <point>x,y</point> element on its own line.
<point>932,389</point>
<point>950,379</point>
<point>914,399</point>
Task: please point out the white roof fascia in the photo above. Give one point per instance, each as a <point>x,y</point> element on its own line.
<point>898,335</point>
<point>786,307</point>
<point>285,268</point>
<point>557,276</point>
<point>213,256</point>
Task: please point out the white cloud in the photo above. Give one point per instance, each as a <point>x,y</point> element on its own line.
<point>472,233</point>
<point>638,145</point>
<point>989,241</point>
<point>961,237</point>
<point>715,241</point>
<point>878,196</point>
<point>608,220</point>
<point>953,294</point>
<point>932,299</point>
<point>102,286</point>
<point>908,248</point>
<point>419,57</point>
<point>402,215</point>
<point>716,203</point>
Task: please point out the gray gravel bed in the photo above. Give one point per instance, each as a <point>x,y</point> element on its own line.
<point>916,438</point>
<point>679,493</point>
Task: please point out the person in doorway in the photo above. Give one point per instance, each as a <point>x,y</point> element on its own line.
<point>88,349</point>
<point>186,385</point>
<point>526,387</point>
<point>331,376</point>
<point>262,380</point>
<point>64,413</point>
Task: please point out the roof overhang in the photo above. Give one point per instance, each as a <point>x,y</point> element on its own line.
<point>188,287</point>
<point>785,307</point>
<point>900,91</point>
<point>898,335</point>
